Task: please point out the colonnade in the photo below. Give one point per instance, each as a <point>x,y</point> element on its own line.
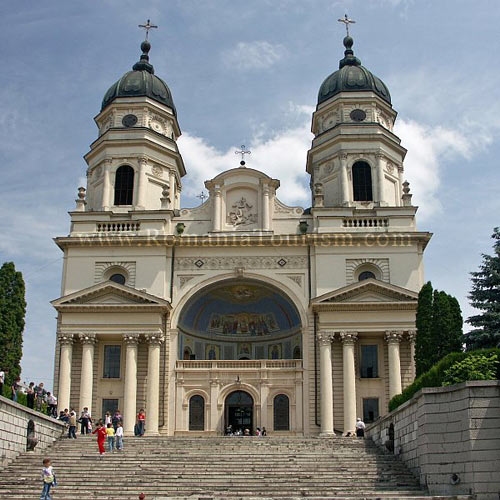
<point>348,339</point>
<point>89,341</point>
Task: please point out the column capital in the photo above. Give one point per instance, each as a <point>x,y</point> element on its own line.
<point>142,160</point>
<point>393,336</point>
<point>131,340</point>
<point>325,337</point>
<point>154,339</point>
<point>348,337</point>
<point>65,338</point>
<point>343,156</point>
<point>88,338</point>
<point>411,335</point>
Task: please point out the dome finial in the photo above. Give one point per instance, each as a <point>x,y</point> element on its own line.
<point>349,59</point>
<point>143,64</point>
<point>346,21</point>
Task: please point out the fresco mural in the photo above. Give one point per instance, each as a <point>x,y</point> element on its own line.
<point>243,324</point>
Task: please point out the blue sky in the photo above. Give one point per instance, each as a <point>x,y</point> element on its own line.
<point>245,73</point>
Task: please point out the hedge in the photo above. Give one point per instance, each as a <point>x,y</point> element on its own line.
<point>435,377</point>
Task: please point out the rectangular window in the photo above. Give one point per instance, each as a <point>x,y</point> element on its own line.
<point>369,361</point>
<point>110,405</point>
<point>112,361</point>
<point>370,410</point>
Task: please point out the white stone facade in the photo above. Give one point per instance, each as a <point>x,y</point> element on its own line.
<point>334,287</point>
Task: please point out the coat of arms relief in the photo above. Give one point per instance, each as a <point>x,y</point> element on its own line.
<point>241,213</point>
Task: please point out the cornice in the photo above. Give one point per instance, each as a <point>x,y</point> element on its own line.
<point>366,306</point>
<point>112,307</point>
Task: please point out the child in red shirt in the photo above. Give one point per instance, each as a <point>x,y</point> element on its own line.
<point>101,437</point>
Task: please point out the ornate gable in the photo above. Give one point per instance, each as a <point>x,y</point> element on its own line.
<point>364,294</point>
<point>109,295</point>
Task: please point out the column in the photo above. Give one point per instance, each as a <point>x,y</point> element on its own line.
<point>380,179</point>
<point>348,342</point>
<point>66,344</point>
<point>130,392</point>
<point>393,338</point>
<point>412,337</point>
<point>106,186</point>
<point>214,395</point>
<point>264,401</point>
<point>265,208</point>
<point>171,181</point>
<point>344,179</point>
<point>217,208</point>
<point>326,383</point>
<point>88,341</point>
<point>153,388</point>
<point>142,183</point>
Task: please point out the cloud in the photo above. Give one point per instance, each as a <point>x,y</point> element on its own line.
<point>247,56</point>
<point>280,154</point>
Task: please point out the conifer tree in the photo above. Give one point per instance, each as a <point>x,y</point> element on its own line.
<point>12,312</point>
<point>485,296</point>
<point>441,325</point>
<point>423,342</point>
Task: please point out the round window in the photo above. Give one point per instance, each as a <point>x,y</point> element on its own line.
<point>366,275</point>
<point>118,278</point>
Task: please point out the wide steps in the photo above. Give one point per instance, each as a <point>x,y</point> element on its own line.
<point>216,468</point>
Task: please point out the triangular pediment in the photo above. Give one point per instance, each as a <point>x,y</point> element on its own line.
<point>109,294</point>
<point>369,290</point>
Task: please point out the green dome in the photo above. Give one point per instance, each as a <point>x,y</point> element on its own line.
<point>140,82</point>
<point>352,77</point>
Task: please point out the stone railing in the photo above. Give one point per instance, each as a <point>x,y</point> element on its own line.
<point>239,364</point>
<point>118,227</point>
<point>448,437</point>
<point>365,222</point>
<point>14,420</point>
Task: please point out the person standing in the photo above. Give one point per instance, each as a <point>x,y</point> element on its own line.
<point>119,436</point>
<point>14,388</point>
<point>116,419</point>
<point>85,420</point>
<point>110,433</point>
<point>51,405</point>
<point>360,428</point>
<point>101,438</point>
<point>72,425</point>
<point>48,478</point>
<point>263,432</point>
<point>39,396</point>
<point>141,423</point>
<point>30,395</point>
<point>107,419</point>
<point>2,380</point>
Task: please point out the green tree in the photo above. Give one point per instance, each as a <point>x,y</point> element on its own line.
<point>485,296</point>
<point>439,327</point>
<point>12,312</point>
<point>423,342</point>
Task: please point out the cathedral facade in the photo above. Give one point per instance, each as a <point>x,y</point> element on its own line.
<point>242,311</point>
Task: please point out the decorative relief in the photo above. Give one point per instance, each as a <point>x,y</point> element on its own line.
<point>389,167</point>
<point>297,278</point>
<point>241,213</point>
<point>281,208</point>
<point>159,124</point>
<point>157,171</point>
<point>220,263</point>
<point>183,279</point>
<point>381,264</point>
<point>102,267</point>
<point>329,121</point>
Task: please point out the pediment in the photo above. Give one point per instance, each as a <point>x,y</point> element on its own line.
<point>367,291</point>
<point>109,294</point>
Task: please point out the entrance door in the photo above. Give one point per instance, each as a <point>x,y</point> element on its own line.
<point>239,411</point>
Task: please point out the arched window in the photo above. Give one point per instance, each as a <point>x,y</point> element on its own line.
<point>118,278</point>
<point>187,353</point>
<point>366,275</point>
<point>281,413</point>
<point>362,181</point>
<point>197,413</point>
<point>124,185</point>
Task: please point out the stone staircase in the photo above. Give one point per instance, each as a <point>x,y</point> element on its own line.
<point>210,468</point>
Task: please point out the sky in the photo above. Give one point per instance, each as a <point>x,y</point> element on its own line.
<point>245,73</point>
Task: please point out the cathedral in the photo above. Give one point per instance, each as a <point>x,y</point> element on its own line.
<point>242,311</point>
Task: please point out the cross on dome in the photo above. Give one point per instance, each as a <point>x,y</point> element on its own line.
<point>243,151</point>
<point>148,26</point>
<point>345,20</point>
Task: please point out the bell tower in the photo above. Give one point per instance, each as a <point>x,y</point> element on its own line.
<point>135,165</point>
<point>355,160</point>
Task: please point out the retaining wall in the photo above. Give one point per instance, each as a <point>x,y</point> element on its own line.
<point>14,426</point>
<point>449,437</point>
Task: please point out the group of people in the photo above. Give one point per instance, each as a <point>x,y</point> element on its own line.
<point>244,432</point>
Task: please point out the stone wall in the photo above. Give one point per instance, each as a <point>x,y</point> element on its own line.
<point>13,429</point>
<point>449,437</point>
